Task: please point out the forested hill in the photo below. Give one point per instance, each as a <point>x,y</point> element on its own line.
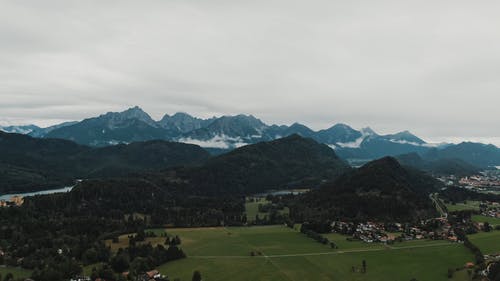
<point>203,195</point>
<point>380,190</point>
<point>293,161</point>
<point>28,164</point>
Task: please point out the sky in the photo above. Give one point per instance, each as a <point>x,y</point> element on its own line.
<point>431,67</point>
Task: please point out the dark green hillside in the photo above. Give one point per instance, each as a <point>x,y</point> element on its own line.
<point>122,159</point>
<point>29,164</point>
<point>287,162</point>
<point>380,190</point>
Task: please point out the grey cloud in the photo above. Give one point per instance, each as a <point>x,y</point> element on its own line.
<point>430,67</point>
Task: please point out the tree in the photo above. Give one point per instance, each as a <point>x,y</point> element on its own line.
<point>106,273</point>
<point>120,263</point>
<point>141,235</point>
<point>487,227</point>
<point>139,265</point>
<point>196,276</point>
<point>90,256</point>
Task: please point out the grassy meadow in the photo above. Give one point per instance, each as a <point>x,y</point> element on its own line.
<point>252,208</point>
<point>468,205</point>
<point>16,271</point>
<point>488,242</point>
<point>480,218</point>
<point>282,253</point>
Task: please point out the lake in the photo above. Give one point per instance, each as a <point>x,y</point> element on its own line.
<point>7,197</point>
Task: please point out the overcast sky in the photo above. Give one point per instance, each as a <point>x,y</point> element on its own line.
<point>432,67</point>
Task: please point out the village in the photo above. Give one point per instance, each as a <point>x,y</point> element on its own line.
<point>486,181</point>
<point>388,233</point>
<point>153,275</point>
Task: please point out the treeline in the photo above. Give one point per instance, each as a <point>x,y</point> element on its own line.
<point>478,256</point>
<point>141,258</point>
<point>274,210</point>
<point>305,229</point>
<point>458,195</point>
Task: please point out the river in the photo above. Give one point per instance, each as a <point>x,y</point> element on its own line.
<point>7,197</point>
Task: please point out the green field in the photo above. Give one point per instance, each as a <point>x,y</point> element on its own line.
<point>488,242</point>
<point>224,254</point>
<point>252,208</point>
<point>469,205</point>
<point>490,220</point>
<point>16,271</point>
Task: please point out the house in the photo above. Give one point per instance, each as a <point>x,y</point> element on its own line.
<point>153,274</point>
<point>81,278</point>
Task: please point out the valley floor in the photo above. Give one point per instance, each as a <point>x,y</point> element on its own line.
<point>281,253</point>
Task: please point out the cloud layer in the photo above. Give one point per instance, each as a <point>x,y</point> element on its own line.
<point>430,67</point>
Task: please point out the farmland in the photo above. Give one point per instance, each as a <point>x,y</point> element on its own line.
<point>488,242</point>
<point>480,218</point>
<point>281,253</point>
<point>16,271</point>
<point>252,208</point>
<point>468,205</point>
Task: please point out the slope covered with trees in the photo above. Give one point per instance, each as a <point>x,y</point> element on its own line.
<point>293,161</point>
<point>29,164</point>
<point>381,190</point>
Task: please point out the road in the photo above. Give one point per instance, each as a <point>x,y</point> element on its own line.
<point>435,200</point>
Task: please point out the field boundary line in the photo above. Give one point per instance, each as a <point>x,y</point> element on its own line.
<point>325,253</point>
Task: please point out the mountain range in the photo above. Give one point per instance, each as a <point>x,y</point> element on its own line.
<point>222,134</point>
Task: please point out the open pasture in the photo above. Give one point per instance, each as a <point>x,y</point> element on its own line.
<point>17,272</point>
<point>488,242</point>
<point>282,253</point>
<point>492,221</point>
<point>252,208</point>
<point>468,205</point>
